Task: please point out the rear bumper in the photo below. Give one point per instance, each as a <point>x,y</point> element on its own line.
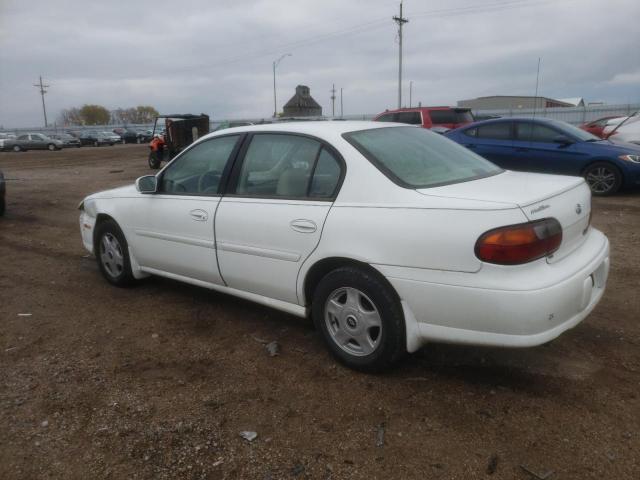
<point>505,316</point>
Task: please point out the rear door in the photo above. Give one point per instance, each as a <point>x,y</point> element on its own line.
<point>272,217</point>
<point>492,141</point>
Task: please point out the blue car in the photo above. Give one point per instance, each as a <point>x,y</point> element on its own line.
<point>551,146</point>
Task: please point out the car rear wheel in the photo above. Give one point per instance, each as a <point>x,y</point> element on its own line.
<point>603,178</point>
<point>138,140</point>
<point>16,148</point>
<point>96,144</point>
<point>51,147</point>
<point>112,254</point>
<point>2,206</point>
<point>360,318</point>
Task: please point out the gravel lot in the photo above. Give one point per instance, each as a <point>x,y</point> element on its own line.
<point>157,381</point>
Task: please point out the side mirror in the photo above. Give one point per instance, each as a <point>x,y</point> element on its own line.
<point>147,184</point>
<point>562,140</point>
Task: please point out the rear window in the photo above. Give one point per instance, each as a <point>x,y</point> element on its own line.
<point>450,116</point>
<point>417,158</point>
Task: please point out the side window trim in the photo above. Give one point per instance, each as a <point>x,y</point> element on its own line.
<point>225,173</point>
<point>234,175</point>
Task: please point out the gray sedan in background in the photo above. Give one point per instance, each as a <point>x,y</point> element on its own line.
<point>32,141</point>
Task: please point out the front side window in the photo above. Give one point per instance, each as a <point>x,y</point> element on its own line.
<point>278,165</point>
<point>23,137</point>
<point>417,158</point>
<point>533,132</point>
<point>198,171</point>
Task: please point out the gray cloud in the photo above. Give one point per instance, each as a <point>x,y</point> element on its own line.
<point>215,57</point>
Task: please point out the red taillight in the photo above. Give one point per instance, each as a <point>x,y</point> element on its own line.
<point>520,243</point>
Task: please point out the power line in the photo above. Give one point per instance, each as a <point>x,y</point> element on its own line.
<point>42,87</point>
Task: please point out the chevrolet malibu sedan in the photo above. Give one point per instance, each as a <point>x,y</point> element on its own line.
<point>389,236</point>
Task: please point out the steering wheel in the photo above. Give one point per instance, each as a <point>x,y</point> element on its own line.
<point>208,182</point>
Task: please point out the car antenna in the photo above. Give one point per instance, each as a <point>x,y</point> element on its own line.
<point>535,99</point>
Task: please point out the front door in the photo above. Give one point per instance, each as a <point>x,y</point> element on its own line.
<point>537,149</point>
<point>173,229</point>
<point>272,217</point>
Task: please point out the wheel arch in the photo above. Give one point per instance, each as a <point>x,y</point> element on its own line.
<point>322,267</point>
<point>601,160</point>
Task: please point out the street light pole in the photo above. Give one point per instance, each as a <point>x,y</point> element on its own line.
<point>275,101</point>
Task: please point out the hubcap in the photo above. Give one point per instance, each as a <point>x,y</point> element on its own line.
<point>111,255</point>
<point>601,179</point>
<point>353,321</point>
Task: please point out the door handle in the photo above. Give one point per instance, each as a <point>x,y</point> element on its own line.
<point>199,215</point>
<point>302,225</point>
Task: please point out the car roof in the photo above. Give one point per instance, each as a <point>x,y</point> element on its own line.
<point>318,128</point>
<point>510,119</point>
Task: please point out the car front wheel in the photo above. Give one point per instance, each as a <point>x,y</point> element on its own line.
<point>16,148</point>
<point>360,318</point>
<point>603,178</point>
<point>112,254</point>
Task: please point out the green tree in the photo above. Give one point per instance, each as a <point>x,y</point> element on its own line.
<point>94,115</point>
<point>145,114</point>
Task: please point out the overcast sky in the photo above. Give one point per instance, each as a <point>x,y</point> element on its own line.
<point>216,56</point>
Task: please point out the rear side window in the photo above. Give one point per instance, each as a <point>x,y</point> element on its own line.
<point>417,158</point>
<point>450,116</point>
<point>326,176</point>
<point>533,132</point>
<point>495,131</point>
<point>412,118</point>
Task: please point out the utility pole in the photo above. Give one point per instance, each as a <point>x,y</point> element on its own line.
<point>333,100</point>
<point>410,91</point>
<point>275,64</point>
<point>400,21</point>
<point>42,87</point>
<point>341,113</point>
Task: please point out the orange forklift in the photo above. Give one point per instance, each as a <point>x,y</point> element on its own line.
<point>173,133</point>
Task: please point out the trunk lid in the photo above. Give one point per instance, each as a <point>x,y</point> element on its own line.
<point>567,199</point>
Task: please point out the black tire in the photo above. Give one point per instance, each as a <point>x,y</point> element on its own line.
<point>2,206</point>
<point>603,178</point>
<point>16,148</point>
<point>391,340</point>
<point>96,144</point>
<point>51,147</point>
<point>138,140</point>
<point>154,162</point>
<point>120,276</point>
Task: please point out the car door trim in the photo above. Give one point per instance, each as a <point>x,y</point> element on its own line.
<point>258,251</point>
<point>198,242</point>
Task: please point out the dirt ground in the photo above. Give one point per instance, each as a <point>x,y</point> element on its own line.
<point>157,381</point>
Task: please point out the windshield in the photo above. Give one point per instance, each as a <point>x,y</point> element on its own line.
<point>417,158</point>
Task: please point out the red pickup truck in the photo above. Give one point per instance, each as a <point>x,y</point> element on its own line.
<point>428,117</point>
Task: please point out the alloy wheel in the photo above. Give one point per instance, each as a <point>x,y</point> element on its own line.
<point>111,255</point>
<point>601,179</point>
<point>353,321</point>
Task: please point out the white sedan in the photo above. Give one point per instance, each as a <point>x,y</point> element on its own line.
<point>388,235</point>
